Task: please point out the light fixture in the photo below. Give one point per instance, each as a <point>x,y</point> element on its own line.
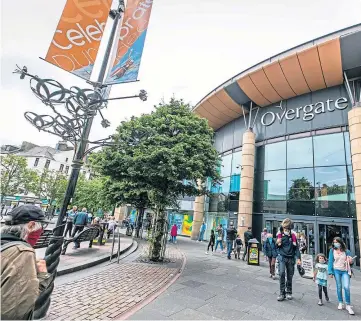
<point>143,95</point>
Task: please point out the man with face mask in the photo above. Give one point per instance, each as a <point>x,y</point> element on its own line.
<point>23,277</point>
<point>288,251</point>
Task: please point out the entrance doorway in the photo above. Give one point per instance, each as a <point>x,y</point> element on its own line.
<point>328,232</point>
<point>318,231</point>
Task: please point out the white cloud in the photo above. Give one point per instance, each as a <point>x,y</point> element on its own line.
<point>191,47</point>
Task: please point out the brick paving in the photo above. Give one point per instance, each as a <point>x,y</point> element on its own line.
<point>86,255</point>
<point>110,293</point>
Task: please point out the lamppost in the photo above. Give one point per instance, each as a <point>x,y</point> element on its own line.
<point>73,112</point>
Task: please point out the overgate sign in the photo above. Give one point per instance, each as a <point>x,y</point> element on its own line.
<point>306,113</point>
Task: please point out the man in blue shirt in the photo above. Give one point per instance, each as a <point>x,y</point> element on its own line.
<point>201,232</point>
<point>70,220</point>
<point>80,221</point>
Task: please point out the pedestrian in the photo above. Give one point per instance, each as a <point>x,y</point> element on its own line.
<point>111,226</point>
<point>320,276</point>
<point>70,220</point>
<point>339,266</point>
<point>264,236</point>
<point>247,236</point>
<point>80,221</point>
<point>270,251</point>
<point>90,218</point>
<point>237,247</point>
<point>23,277</point>
<point>287,252</point>
<point>302,244</point>
<point>201,232</point>
<point>212,241</point>
<point>231,236</point>
<point>173,233</point>
<point>220,233</point>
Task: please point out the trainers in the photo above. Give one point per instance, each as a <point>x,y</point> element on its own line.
<point>281,297</point>
<point>273,277</point>
<point>206,252</point>
<point>349,309</point>
<point>289,296</point>
<point>320,302</point>
<point>270,276</point>
<point>340,306</point>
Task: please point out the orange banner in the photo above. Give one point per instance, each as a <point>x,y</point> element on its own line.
<point>77,37</point>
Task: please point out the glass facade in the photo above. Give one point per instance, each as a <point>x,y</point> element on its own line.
<point>306,176</point>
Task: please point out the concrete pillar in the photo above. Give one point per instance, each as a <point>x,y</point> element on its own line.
<point>198,215</point>
<point>354,122</point>
<point>245,205</point>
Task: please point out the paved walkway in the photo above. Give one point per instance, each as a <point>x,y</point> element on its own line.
<point>115,290</point>
<point>85,256</point>
<point>212,287</point>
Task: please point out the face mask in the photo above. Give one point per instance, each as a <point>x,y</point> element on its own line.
<point>287,232</point>
<point>321,260</point>
<point>336,245</point>
<point>34,236</point>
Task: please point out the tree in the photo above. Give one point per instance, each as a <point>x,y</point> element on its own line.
<point>51,186</point>
<point>92,194</point>
<point>15,176</point>
<point>163,155</point>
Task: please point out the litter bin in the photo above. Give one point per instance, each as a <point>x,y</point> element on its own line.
<point>253,252</point>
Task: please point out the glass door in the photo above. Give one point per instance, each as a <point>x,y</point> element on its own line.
<point>328,232</point>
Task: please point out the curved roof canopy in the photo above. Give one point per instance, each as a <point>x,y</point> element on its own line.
<point>315,65</point>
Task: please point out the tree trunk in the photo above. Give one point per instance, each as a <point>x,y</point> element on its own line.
<point>158,245</point>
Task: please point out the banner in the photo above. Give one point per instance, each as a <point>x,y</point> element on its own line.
<point>131,42</point>
<point>77,37</point>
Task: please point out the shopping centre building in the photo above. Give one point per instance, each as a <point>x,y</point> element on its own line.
<point>288,131</point>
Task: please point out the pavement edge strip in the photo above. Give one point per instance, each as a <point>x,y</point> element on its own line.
<point>92,263</point>
<point>152,297</point>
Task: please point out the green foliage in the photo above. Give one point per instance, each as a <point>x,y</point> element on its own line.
<point>158,158</point>
<point>92,194</point>
<point>156,153</point>
<point>15,176</point>
<point>51,185</point>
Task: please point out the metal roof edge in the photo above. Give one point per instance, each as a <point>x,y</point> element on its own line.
<point>324,38</point>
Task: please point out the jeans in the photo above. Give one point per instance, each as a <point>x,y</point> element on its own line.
<point>272,263</point>
<point>201,235</point>
<point>69,227</point>
<point>173,239</point>
<point>229,248</point>
<point>343,281</point>
<point>287,266</point>
<point>245,251</point>
<point>77,228</point>
<point>220,243</point>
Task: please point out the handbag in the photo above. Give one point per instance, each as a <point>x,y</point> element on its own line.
<point>219,238</point>
<point>349,269</point>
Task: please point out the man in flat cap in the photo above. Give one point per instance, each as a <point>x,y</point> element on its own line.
<point>23,277</point>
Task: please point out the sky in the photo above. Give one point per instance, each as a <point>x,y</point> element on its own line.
<point>191,48</point>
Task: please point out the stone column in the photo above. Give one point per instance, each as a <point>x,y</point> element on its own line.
<point>245,205</point>
<point>198,215</point>
<point>354,122</point>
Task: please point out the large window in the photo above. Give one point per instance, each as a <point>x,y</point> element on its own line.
<point>275,156</point>
<point>299,153</point>
<point>331,183</point>
<point>305,176</point>
<point>329,150</point>
<point>300,184</point>
<point>236,162</point>
<point>226,165</point>
<point>274,185</point>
